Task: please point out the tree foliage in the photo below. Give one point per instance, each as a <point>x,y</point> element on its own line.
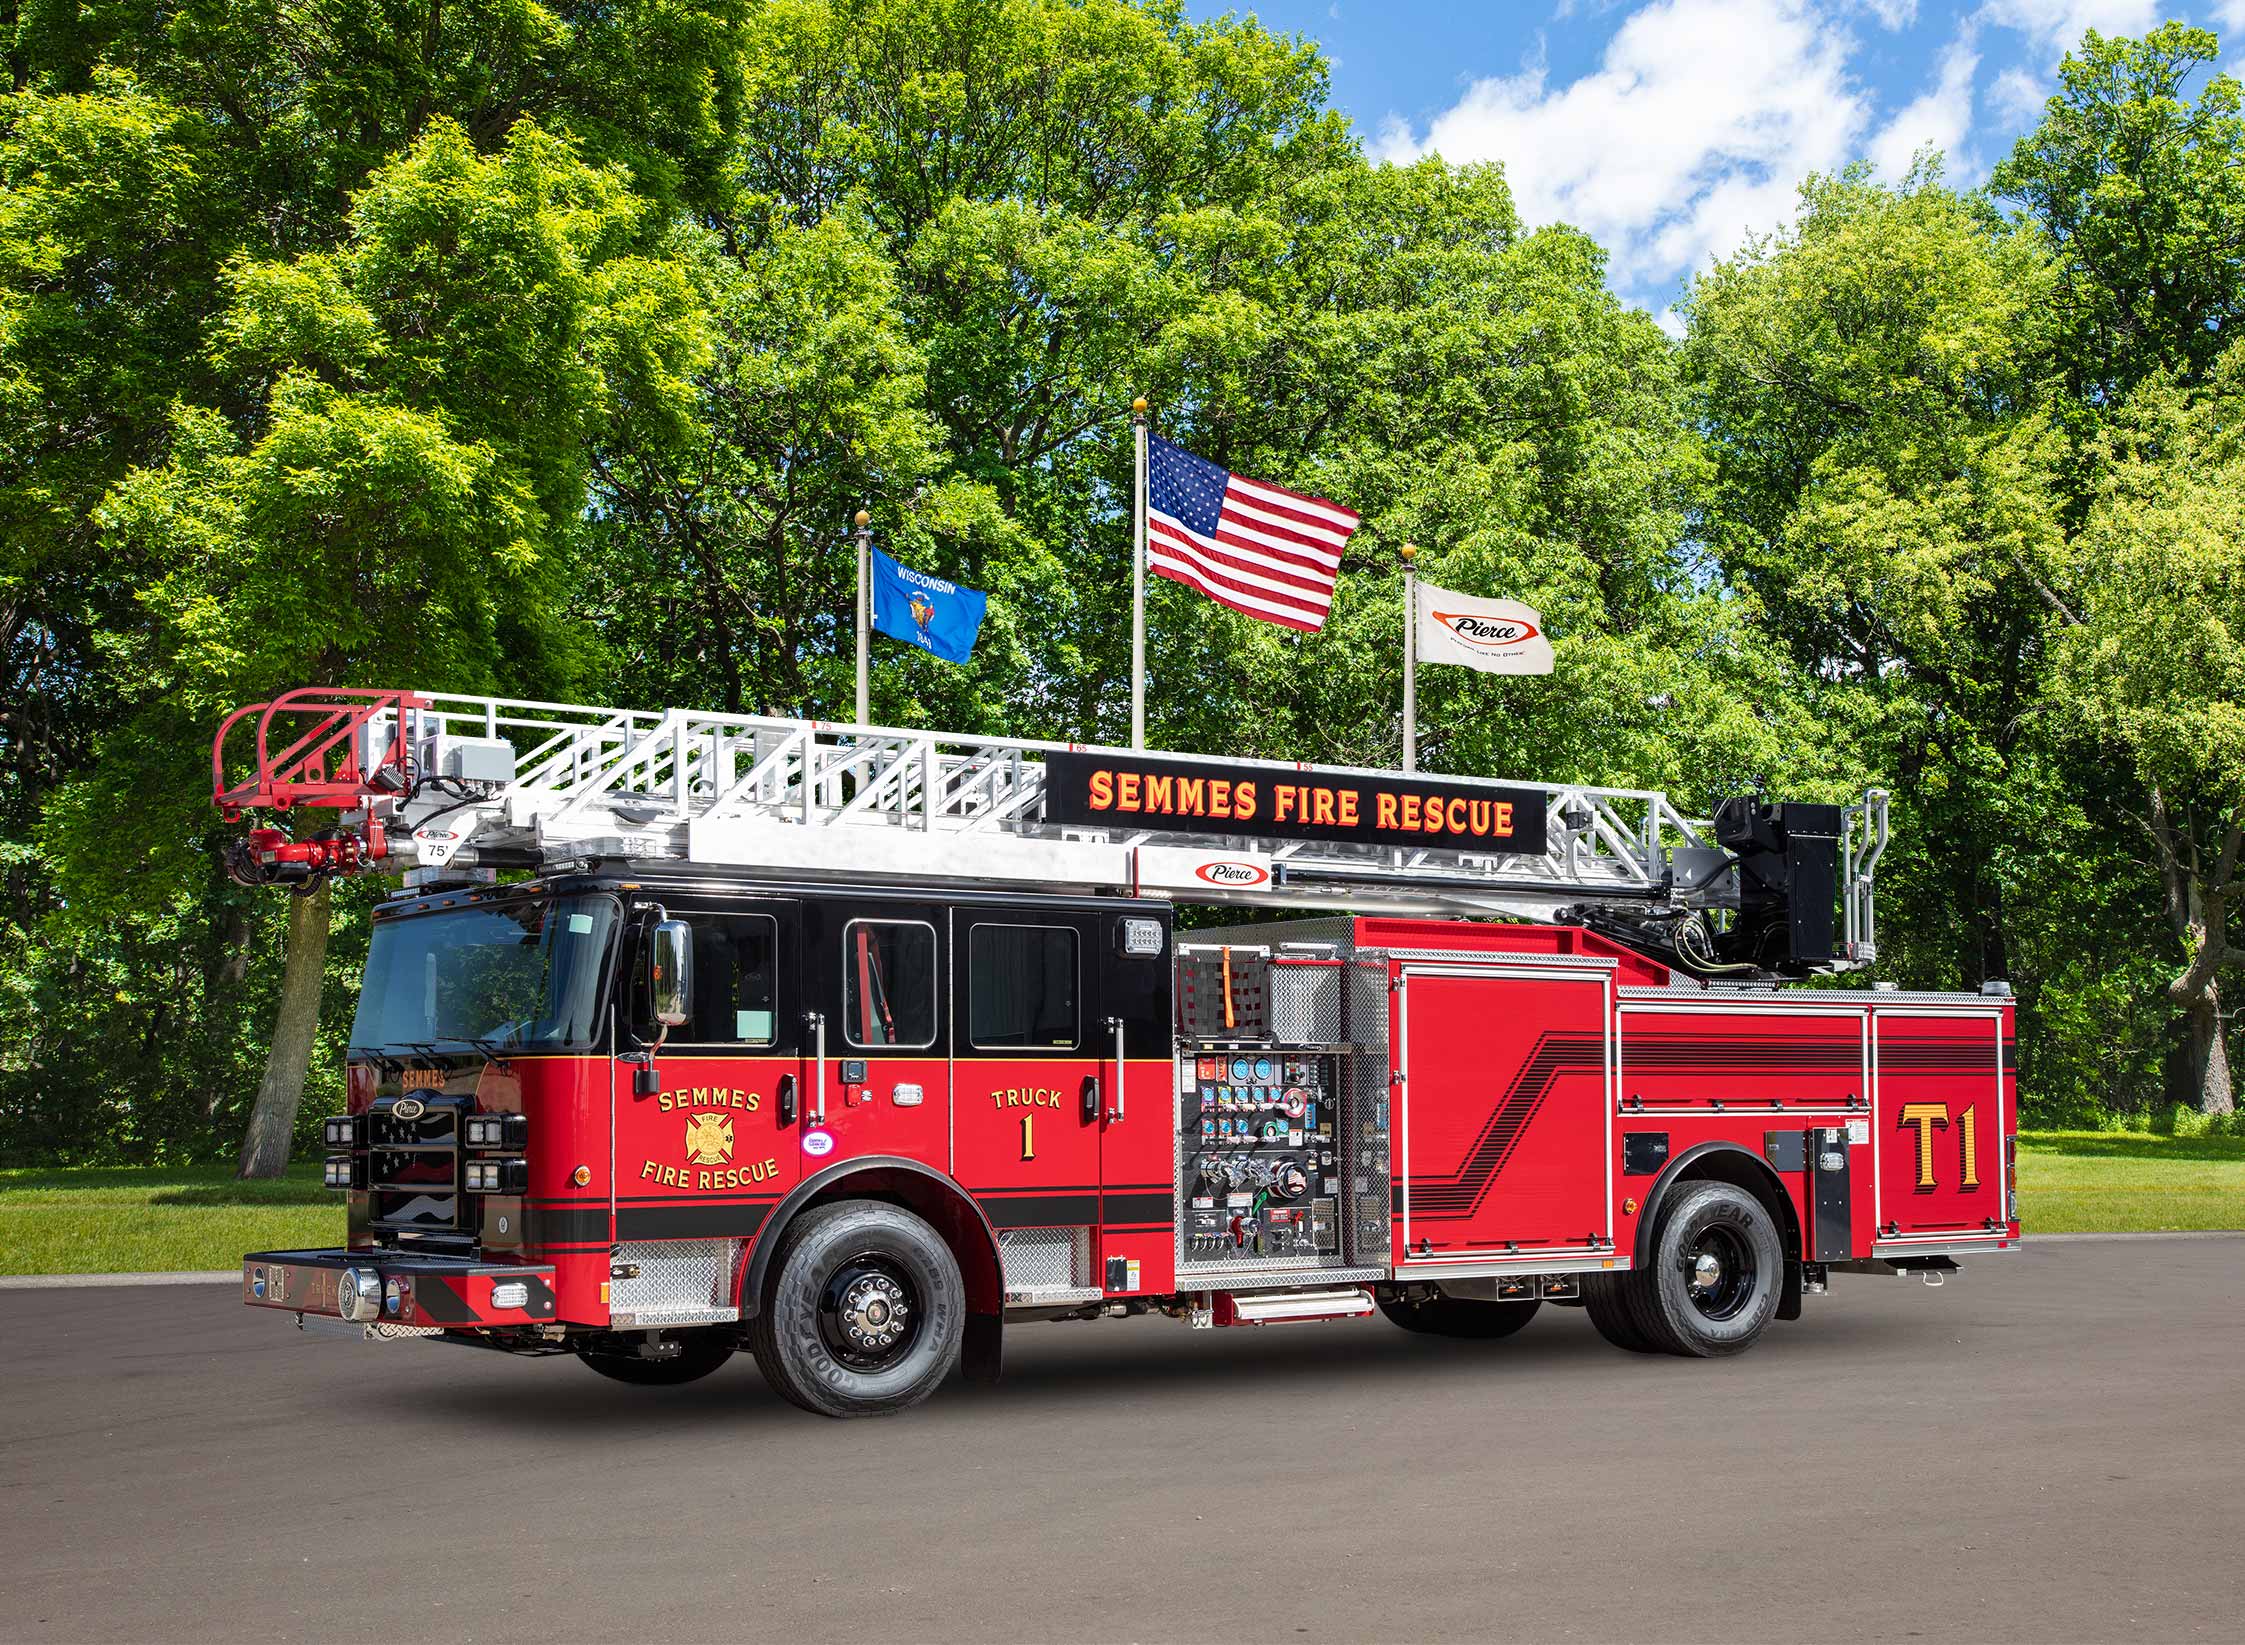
<point>551,349</point>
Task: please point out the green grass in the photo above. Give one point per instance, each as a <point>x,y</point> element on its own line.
<point>2129,1182</point>
<point>149,1219</point>
<point>155,1219</point>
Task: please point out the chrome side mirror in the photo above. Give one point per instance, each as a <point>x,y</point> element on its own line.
<point>670,971</point>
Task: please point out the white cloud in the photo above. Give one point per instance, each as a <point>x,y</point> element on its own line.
<point>1694,130</point>
<point>2058,25</point>
<point>2017,98</point>
<point>1940,117</point>
<point>2231,14</point>
<point>1893,15</point>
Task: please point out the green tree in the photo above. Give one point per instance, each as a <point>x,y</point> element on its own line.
<point>721,575</point>
<point>142,152</point>
<point>2156,665</point>
<point>2140,193</point>
<point>396,503</point>
<point>1886,481</point>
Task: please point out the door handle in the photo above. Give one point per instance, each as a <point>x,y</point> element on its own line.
<point>1115,1113</point>
<point>1091,1098</point>
<point>817,1020</point>
<point>787,1099</point>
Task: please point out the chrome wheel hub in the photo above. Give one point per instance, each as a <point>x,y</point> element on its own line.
<point>874,1312</point>
<point>1707,1271</point>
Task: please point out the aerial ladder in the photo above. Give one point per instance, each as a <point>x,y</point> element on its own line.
<point>445,788</point>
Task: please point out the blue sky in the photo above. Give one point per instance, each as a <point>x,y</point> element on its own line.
<point>1672,128</point>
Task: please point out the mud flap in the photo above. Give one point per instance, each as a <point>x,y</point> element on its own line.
<point>1789,1299</point>
<point>982,1353</point>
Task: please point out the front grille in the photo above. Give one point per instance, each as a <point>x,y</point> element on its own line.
<point>434,1127</point>
<point>413,1169</point>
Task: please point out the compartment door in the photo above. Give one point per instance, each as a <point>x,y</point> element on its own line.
<point>1033,1074</point>
<point>1938,1123</point>
<point>1503,1117</point>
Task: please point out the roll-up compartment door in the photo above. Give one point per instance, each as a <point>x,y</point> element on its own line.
<point>1938,1121</point>
<point>1504,1115</point>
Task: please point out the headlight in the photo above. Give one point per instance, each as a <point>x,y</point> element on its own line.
<point>340,1171</point>
<point>496,1130</point>
<point>342,1131</point>
<point>496,1176</point>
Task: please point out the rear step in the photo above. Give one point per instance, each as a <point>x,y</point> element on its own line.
<point>1283,1307</point>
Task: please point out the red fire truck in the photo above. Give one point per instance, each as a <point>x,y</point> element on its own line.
<point>852,1046</point>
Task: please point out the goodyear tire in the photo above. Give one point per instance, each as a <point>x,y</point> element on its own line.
<point>864,1314</point>
<point>1467,1317</point>
<point>1716,1275</point>
<point>699,1353</point>
<point>1605,1301</point>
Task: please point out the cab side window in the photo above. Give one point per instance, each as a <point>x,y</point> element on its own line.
<point>888,983</point>
<point>736,980</point>
<point>1022,987</point>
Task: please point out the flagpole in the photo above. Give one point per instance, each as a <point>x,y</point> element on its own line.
<point>1410,660</point>
<point>1138,579</point>
<point>864,610</point>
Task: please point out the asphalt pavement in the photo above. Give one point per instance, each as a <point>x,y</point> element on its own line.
<point>2050,1447</point>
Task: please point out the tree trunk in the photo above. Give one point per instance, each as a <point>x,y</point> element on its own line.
<point>272,1121</point>
<point>2209,1056</point>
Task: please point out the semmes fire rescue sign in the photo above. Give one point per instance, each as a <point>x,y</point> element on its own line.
<point>1093,790</point>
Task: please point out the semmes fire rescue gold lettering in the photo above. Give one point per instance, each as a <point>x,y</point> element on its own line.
<point>1025,1096</point>
<point>701,1096</point>
<point>732,1176</point>
<point>708,1141</point>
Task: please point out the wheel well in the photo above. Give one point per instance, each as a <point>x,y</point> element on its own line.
<point>1723,1162</point>
<point>909,1185</point>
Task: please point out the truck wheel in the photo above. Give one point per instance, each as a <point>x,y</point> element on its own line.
<point>1604,1300</point>
<point>865,1312</point>
<point>1461,1316</point>
<point>1717,1271</point>
<point>699,1353</point>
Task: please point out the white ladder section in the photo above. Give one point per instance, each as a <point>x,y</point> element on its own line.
<point>498,780</point>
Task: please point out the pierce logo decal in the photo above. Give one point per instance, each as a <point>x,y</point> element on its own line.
<point>1488,633</point>
<point>1233,873</point>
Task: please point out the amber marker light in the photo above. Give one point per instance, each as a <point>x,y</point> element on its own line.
<point>581,1176</point>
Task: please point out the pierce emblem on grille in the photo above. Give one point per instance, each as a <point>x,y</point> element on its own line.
<point>409,1108</point>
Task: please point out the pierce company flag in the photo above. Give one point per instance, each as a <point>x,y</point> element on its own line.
<point>1261,549</point>
<point>1495,636</point>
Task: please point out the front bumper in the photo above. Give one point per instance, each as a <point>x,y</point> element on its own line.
<point>431,1293</point>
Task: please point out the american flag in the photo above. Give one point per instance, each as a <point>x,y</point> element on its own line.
<point>1257,548</point>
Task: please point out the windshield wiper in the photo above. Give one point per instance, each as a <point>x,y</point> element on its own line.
<point>379,1057</point>
<point>491,1049</point>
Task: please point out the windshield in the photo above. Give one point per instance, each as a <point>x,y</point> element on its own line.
<point>523,975</point>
